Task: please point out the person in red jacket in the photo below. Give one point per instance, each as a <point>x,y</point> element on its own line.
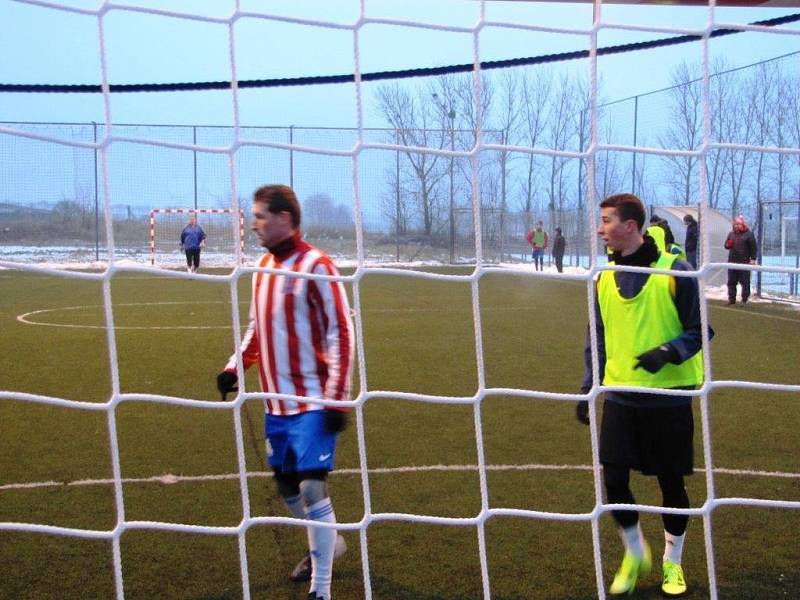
<point>537,238</point>
<point>742,248</point>
<point>301,337</point>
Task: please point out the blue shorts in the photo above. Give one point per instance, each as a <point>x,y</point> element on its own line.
<point>299,442</point>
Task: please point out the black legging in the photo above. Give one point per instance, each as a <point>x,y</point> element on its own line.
<point>741,277</point>
<point>193,257</point>
<point>673,494</point>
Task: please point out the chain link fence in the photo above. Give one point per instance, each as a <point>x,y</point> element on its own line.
<point>413,205</point>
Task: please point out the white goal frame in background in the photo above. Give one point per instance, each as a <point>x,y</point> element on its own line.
<point>195,211</point>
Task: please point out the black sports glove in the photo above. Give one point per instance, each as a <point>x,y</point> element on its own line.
<point>227,382</point>
<point>582,408</point>
<point>654,360</point>
<point>335,420</point>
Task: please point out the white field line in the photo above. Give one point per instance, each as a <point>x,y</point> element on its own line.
<point>26,317</point>
<point>756,314</point>
<point>170,479</point>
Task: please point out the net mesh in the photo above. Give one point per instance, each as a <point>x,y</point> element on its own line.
<point>222,151</point>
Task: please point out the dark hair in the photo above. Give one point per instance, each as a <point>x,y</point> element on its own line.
<point>688,218</point>
<point>558,229</point>
<point>654,218</point>
<point>628,207</point>
<point>279,198</point>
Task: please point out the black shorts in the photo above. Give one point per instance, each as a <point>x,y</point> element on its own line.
<point>654,441</point>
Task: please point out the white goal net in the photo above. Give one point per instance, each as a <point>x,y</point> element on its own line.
<point>476,237</point>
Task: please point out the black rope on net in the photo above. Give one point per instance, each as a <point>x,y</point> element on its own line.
<point>381,75</point>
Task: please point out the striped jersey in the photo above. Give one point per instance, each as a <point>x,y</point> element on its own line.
<point>300,331</point>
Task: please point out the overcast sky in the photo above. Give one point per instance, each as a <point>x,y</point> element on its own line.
<point>46,45</point>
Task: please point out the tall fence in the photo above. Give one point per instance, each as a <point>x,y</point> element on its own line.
<point>413,205</point>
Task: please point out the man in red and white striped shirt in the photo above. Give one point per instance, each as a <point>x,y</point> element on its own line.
<point>301,337</point>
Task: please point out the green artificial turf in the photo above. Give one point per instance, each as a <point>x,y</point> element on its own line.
<point>173,335</point>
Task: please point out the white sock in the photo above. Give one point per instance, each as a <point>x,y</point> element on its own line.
<point>321,542</point>
<point>295,506</point>
<point>633,539</point>
<point>673,547</point>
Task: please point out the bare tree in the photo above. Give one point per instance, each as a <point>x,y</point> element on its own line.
<point>459,92</point>
<point>761,88</point>
<point>608,173</point>
<point>736,122</point>
<point>560,131</point>
<point>684,131</point>
<point>323,215</point>
<point>507,131</point>
<point>718,103</point>
<point>792,93</point>
<point>411,117</point>
<point>535,99</point>
<point>781,136</point>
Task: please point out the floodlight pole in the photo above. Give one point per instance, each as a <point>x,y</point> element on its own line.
<point>96,200</point>
<point>291,156</point>
<point>194,163</point>
<point>451,114</point>
<point>635,131</point>
<point>397,194</point>
<point>759,245</point>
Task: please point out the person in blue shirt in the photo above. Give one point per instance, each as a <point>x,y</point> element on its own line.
<point>193,238</point>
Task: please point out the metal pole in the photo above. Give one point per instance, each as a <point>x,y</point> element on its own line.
<point>578,246</point>
<point>635,132</point>
<point>452,116</point>
<point>397,194</point>
<point>194,162</point>
<point>96,201</point>
<point>291,157</point>
<point>796,277</point>
<point>760,244</point>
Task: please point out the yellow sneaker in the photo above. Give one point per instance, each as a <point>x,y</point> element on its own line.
<point>674,584</point>
<point>629,571</point>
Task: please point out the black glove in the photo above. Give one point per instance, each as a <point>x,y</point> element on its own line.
<point>582,408</point>
<point>654,360</point>
<point>335,420</point>
<point>227,382</point>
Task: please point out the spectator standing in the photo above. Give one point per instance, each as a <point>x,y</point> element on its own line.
<point>742,248</point>
<point>537,238</point>
<point>559,245</point>
<point>193,238</point>
<point>690,243</point>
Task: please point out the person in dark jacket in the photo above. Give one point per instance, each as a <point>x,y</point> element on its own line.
<point>690,243</point>
<point>742,249</point>
<point>559,245</point>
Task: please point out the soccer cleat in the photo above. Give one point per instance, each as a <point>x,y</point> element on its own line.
<point>629,571</point>
<point>674,584</point>
<point>302,572</point>
<point>314,596</point>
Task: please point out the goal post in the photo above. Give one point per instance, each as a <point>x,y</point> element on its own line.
<point>224,228</point>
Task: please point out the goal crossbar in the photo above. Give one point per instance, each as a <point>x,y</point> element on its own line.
<point>194,211</point>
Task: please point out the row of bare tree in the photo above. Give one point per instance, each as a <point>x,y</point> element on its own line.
<point>531,120</point>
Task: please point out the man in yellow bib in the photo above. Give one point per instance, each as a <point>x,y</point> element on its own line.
<point>648,335</point>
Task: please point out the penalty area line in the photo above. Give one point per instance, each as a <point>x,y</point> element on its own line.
<point>170,479</point>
